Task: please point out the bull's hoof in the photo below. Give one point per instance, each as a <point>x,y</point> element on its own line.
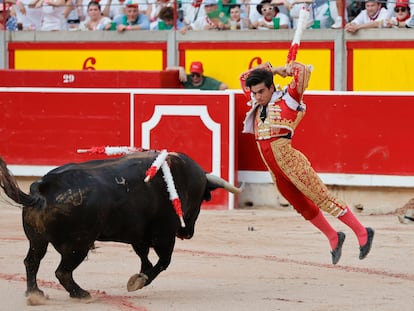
<point>137,281</point>
<point>36,299</point>
<point>80,294</point>
<point>35,291</point>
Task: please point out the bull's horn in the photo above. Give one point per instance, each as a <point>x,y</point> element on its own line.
<point>223,184</point>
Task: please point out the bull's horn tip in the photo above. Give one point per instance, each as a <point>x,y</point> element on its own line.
<point>238,190</point>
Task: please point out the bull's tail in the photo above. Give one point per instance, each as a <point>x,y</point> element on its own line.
<point>217,182</point>
<point>9,184</point>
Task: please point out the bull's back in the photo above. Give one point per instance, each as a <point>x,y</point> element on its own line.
<point>93,181</point>
<point>111,197</point>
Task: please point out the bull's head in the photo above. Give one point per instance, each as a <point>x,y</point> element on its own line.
<point>213,182</point>
<point>185,233</point>
<point>190,218</point>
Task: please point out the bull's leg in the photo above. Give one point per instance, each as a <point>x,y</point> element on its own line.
<point>143,251</point>
<point>37,251</point>
<point>138,281</point>
<point>70,261</point>
<point>163,247</point>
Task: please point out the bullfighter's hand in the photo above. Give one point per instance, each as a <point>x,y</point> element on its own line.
<point>280,70</point>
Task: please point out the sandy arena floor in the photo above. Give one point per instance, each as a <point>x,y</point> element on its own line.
<point>283,263</point>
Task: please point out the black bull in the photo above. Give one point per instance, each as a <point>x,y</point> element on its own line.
<point>107,200</point>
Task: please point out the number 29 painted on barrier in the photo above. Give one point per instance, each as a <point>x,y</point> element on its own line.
<point>68,78</point>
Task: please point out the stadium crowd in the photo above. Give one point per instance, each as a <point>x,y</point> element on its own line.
<point>132,15</point>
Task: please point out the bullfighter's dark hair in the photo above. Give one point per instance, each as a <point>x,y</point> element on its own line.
<point>258,76</point>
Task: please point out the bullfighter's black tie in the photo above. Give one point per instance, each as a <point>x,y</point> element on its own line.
<point>263,113</point>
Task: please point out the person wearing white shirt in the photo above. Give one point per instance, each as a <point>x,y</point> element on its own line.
<point>156,8</point>
<point>391,4</point>
<point>320,10</point>
<point>254,15</point>
<point>410,22</point>
<point>193,11</point>
<point>114,8</point>
<point>110,8</point>
<point>95,21</point>
<point>337,11</point>
<point>373,16</point>
<point>269,12</point>
<point>29,17</point>
<point>74,14</point>
<point>402,16</point>
<point>204,23</point>
<point>53,14</point>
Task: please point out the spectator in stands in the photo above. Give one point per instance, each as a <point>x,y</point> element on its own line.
<point>11,21</point>
<point>53,18</point>
<point>242,16</point>
<point>95,20</point>
<point>354,9</point>
<point>214,18</point>
<point>402,15</point>
<point>114,8</point>
<point>145,7</point>
<point>224,6</point>
<point>192,12</point>
<point>74,14</point>
<point>156,7</point>
<point>320,15</point>
<point>294,10</point>
<point>236,21</point>
<point>132,19</point>
<point>4,15</point>
<point>392,3</point>
<point>196,79</point>
<point>119,8</point>
<point>271,17</point>
<point>410,23</point>
<point>165,20</point>
<point>251,11</point>
<point>336,8</point>
<point>30,18</point>
<point>373,16</point>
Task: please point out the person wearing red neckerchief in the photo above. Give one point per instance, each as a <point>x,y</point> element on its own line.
<point>192,13</point>
<point>373,16</point>
<point>402,13</point>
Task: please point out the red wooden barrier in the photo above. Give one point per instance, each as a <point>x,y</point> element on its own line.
<point>46,126</point>
<point>90,78</point>
<point>343,133</point>
<point>352,133</point>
